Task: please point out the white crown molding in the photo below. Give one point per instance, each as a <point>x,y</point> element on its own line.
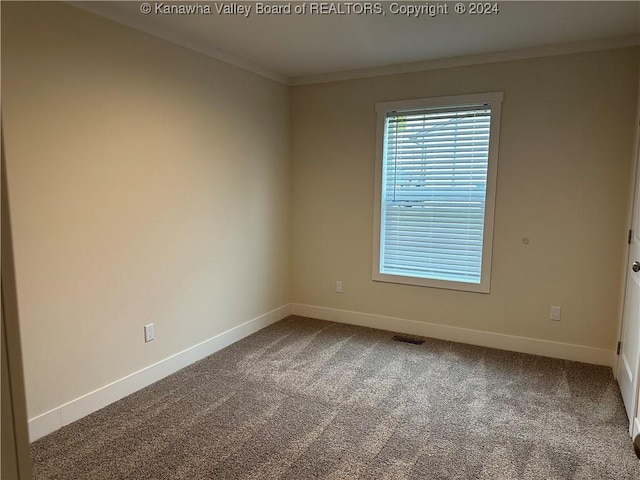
<point>463,61</point>
<point>240,63</point>
<point>435,64</point>
<point>172,37</point>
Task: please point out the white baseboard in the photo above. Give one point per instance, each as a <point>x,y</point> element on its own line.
<point>545,348</point>
<point>635,428</point>
<point>82,406</point>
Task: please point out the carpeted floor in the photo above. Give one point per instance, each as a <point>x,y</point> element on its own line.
<point>307,399</point>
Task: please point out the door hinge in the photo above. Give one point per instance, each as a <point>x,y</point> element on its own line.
<point>619,347</point>
<point>629,237</point>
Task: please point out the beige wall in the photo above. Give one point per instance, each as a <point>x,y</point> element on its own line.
<point>564,163</point>
<point>148,183</point>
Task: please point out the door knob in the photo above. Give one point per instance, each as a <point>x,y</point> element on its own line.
<point>636,266</point>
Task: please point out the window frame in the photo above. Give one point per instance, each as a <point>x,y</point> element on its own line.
<point>494,99</point>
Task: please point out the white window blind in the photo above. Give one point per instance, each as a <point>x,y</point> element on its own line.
<point>435,166</point>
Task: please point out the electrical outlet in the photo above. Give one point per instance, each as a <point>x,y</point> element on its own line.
<point>556,313</point>
<point>338,286</point>
<point>148,333</point>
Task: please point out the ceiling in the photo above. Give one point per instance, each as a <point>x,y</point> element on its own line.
<point>303,48</point>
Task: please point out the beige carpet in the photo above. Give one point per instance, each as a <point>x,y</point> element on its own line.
<point>305,399</point>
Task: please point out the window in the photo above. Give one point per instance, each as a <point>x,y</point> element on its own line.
<point>436,170</point>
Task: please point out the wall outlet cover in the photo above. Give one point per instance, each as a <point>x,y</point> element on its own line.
<point>149,334</point>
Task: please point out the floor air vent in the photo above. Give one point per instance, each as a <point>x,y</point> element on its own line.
<point>405,339</point>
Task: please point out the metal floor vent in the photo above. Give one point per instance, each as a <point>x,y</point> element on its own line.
<point>405,339</point>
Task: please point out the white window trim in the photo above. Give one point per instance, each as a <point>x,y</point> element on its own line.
<point>382,108</point>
